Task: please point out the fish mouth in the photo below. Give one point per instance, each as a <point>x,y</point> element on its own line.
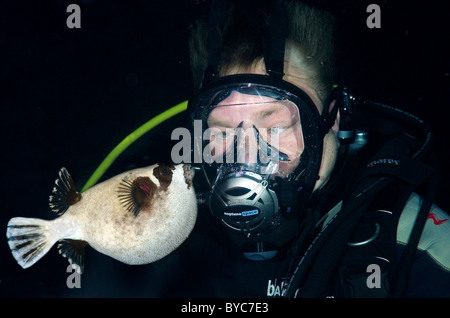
<point>189,173</point>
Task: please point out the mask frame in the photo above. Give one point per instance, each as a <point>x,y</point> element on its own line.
<point>285,197</point>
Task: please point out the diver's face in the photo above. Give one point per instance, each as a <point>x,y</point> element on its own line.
<point>294,73</point>
<point>276,122</point>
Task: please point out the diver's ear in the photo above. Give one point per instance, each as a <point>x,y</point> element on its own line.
<point>335,126</point>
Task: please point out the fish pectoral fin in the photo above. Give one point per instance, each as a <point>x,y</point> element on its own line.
<point>73,250</point>
<point>136,194</point>
<point>64,193</point>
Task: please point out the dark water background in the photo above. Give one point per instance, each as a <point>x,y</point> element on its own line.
<point>68,96</point>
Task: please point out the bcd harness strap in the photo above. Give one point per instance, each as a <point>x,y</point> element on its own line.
<point>329,252</point>
<point>394,272</point>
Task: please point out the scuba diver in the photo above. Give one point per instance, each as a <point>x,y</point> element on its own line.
<point>307,190</point>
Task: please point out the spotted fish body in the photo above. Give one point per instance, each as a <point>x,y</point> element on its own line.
<point>136,217</point>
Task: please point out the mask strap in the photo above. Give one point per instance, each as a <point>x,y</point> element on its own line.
<point>329,117</point>
<point>274,53</point>
<point>216,19</point>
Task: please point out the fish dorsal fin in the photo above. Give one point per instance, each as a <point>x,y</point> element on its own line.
<point>73,250</point>
<point>64,193</point>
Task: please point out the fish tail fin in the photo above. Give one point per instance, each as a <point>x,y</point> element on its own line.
<point>29,239</point>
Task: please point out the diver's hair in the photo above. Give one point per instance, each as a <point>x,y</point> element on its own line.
<point>311,33</point>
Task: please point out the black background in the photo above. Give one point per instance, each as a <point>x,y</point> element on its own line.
<point>68,96</point>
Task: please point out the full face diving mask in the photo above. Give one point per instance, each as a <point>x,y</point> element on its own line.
<point>262,147</point>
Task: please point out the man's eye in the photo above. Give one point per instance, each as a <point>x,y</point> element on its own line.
<point>276,130</point>
<point>223,134</point>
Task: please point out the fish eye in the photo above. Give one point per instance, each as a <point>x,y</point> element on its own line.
<point>164,174</point>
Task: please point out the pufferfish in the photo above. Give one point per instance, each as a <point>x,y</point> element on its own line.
<point>136,217</point>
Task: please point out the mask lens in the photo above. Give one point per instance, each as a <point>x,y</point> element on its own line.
<point>254,132</point>
<point>255,129</point>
